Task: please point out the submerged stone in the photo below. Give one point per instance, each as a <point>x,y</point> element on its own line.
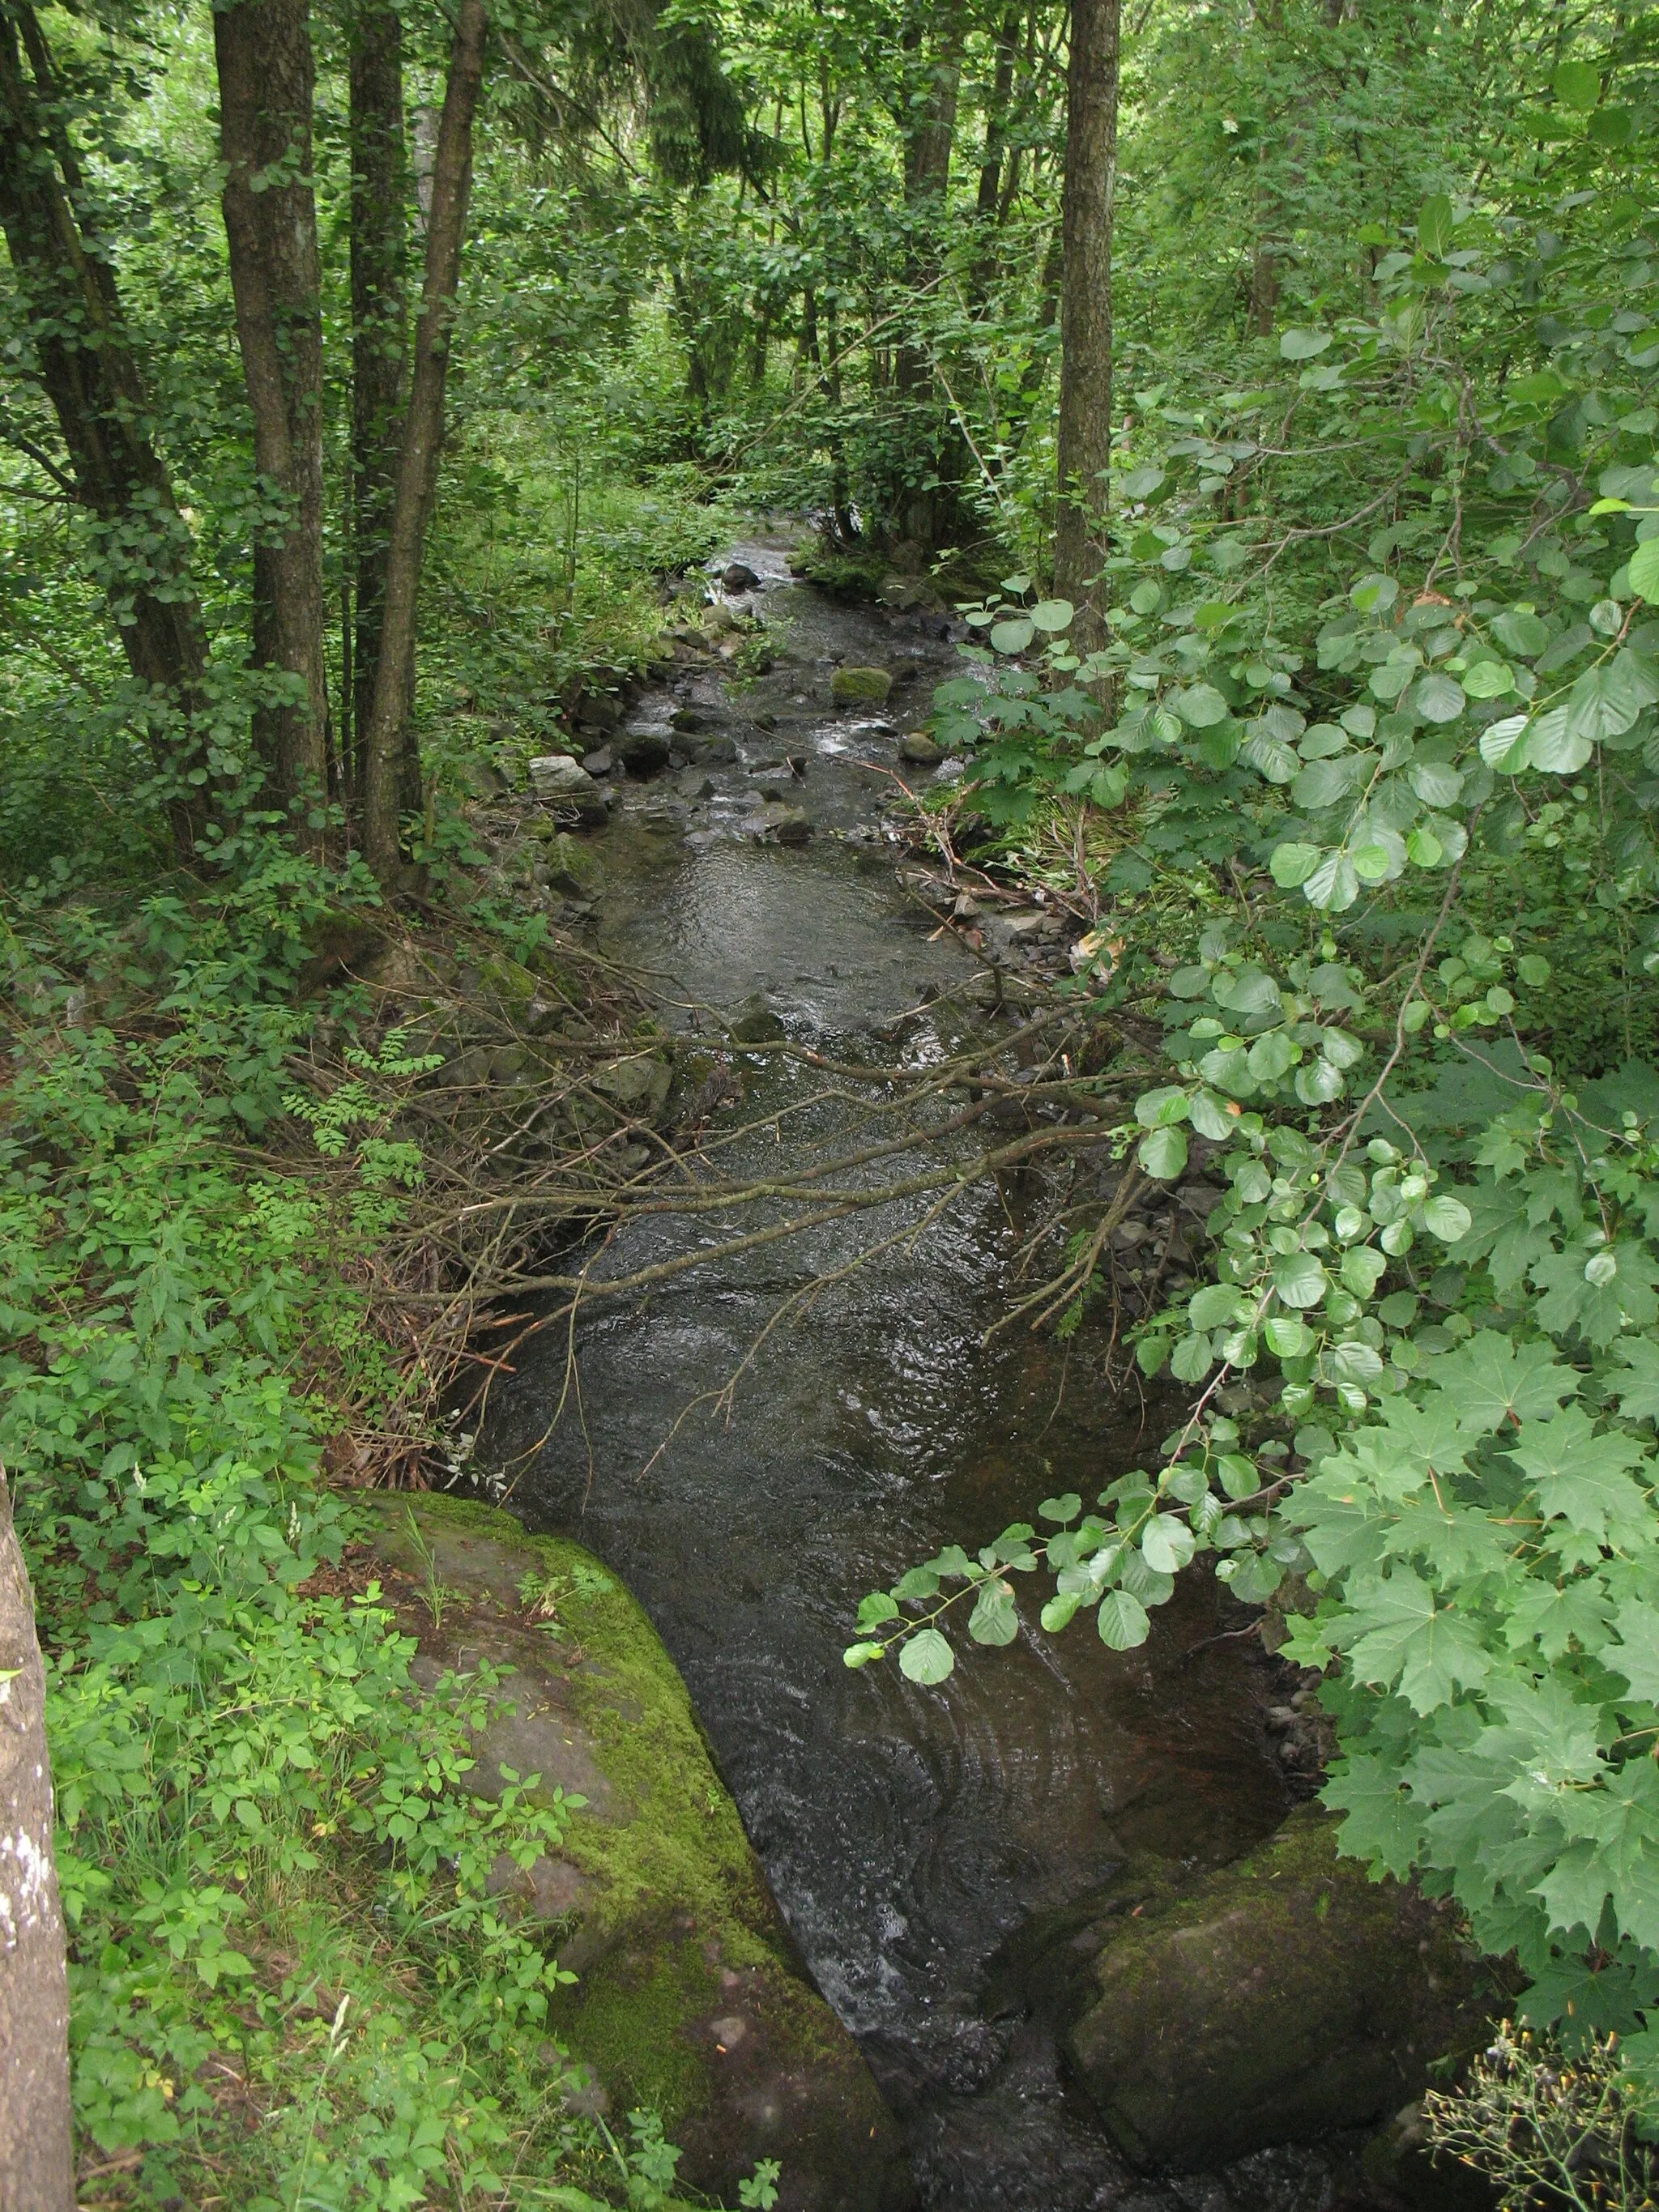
<point>689,2000</point>
<point>1279,1998</point>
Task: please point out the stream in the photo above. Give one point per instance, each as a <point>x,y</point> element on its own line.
<point>906,1832</point>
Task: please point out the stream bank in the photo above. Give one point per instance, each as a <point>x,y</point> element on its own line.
<point>752,1481</point>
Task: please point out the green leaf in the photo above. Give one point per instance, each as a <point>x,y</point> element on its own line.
<point>1163,1153</point>
<point>1200,706</point>
<point>1435,226</point>
<point>1161,1109</point>
<point>1057,1613</point>
<point>1051,616</point>
<point>1502,745</point>
<point>1488,680</point>
<point>1292,865</point>
<point>1141,484</point>
<point>1123,1621</point>
<point>1439,697</point>
<point>1288,1338</point>
<point>1639,1395</point>
<point>1578,87</point>
<point>1299,1279</point>
<point>876,1608</point>
<point>860,1654</point>
<point>1060,1508</point>
<point>1434,782</point>
<point>1013,636</point>
<point>1521,631</point>
<point>1216,1306</point>
<point>994,1619</point>
<point>1333,885</point>
<point>1363,1269</point>
<point>1580,1477</point>
<point>1303,345</point>
<point>1644,570</point>
<point>926,1658</point>
<point>1166,1544</point>
<point>1448,1218</point>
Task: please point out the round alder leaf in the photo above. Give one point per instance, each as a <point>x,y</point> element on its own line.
<point>1293,864</point>
<point>1333,885</point>
<point>1438,698</point>
<point>1357,1362</point>
<point>1435,222</point>
<point>926,1658</point>
<point>1644,570</point>
<point>1013,636</point>
<point>1502,746</point>
<point>1448,1218</point>
<point>1051,615</point>
<point>1554,745</point>
<point>1210,1117</point>
<point>1488,680</point>
<point>1163,1153</point>
<point>1122,1620</point>
<point>1057,1613</point>
<point>1060,1508</point>
<point>993,1618</point>
<point>1437,783</point>
<point>1372,863</point>
<point>1167,1544</point>
<point>1192,1359</point>
<point>1201,706</point>
<point>1318,1083</point>
<point>1288,1338</point>
<point>1577,86</point>
<point>1303,345</point>
<point>1160,1110</point>
<point>1299,1279</point>
<point>1146,597</point>
<point>860,1654</point>
<point>1141,484</point>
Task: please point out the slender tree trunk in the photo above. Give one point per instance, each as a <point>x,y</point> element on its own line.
<point>266,77</point>
<point>1085,317</point>
<point>36,2168</point>
<point>926,511</point>
<point>996,118</point>
<point>379,338</point>
<point>73,315</point>
<point>417,464</point>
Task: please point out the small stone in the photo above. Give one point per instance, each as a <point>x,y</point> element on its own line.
<point>689,718</point>
<point>600,762</point>
<point>737,576</point>
<point>721,747</point>
<point>696,783</point>
<point>920,749</point>
<point>857,687</point>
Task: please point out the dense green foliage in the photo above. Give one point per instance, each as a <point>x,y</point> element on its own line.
<point>1373,745</point>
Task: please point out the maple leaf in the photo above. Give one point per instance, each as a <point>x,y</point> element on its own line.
<point>1636,1654</point>
<point>1639,1396</point>
<point>1491,1377</point>
<point>1580,1477</point>
<point>1400,1636</point>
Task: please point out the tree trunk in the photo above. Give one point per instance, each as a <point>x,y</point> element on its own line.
<point>379,338</point>
<point>417,463</point>
<point>1085,317</point>
<point>73,316</point>
<point>926,511</point>
<point>262,48</point>
<point>36,2168</point>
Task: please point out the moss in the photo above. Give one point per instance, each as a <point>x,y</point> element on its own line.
<point>678,1925</point>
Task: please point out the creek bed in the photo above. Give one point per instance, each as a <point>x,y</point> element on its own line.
<point>906,1832</point>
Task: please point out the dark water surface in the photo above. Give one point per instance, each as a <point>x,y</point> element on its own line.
<point>906,1832</point>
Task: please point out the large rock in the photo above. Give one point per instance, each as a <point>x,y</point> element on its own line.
<point>643,752</point>
<point>689,2000</point>
<point>559,780</point>
<point>737,576</point>
<point>1279,1998</point>
<point>856,687</point>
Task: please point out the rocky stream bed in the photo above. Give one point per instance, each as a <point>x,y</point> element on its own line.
<point>1042,1938</point>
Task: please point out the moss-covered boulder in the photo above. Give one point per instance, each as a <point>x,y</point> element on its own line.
<point>859,687</point>
<point>1278,1999</point>
<point>690,1999</point>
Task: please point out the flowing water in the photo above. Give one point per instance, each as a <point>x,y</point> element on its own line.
<point>906,1832</point>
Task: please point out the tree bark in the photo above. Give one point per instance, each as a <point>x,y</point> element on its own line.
<point>927,511</point>
<point>380,340</point>
<point>266,80</point>
<point>1085,317</point>
<point>417,463</point>
<point>88,367</point>
<point>36,2166</point>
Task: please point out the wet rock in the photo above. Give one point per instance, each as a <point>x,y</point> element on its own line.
<point>754,1023</point>
<point>779,825</point>
<point>920,749</point>
<point>1279,1998</point>
<point>597,711</point>
<point>764,721</point>
<point>601,761</point>
<point>858,687</point>
<point>643,752</point>
<point>690,1999</point>
<point>721,747</point>
<point>639,1083</point>
<point>480,778</point>
<point>696,783</point>
<point>737,576</point>
<point>558,781</point>
<point>689,718</point>
<point>1400,2165</point>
